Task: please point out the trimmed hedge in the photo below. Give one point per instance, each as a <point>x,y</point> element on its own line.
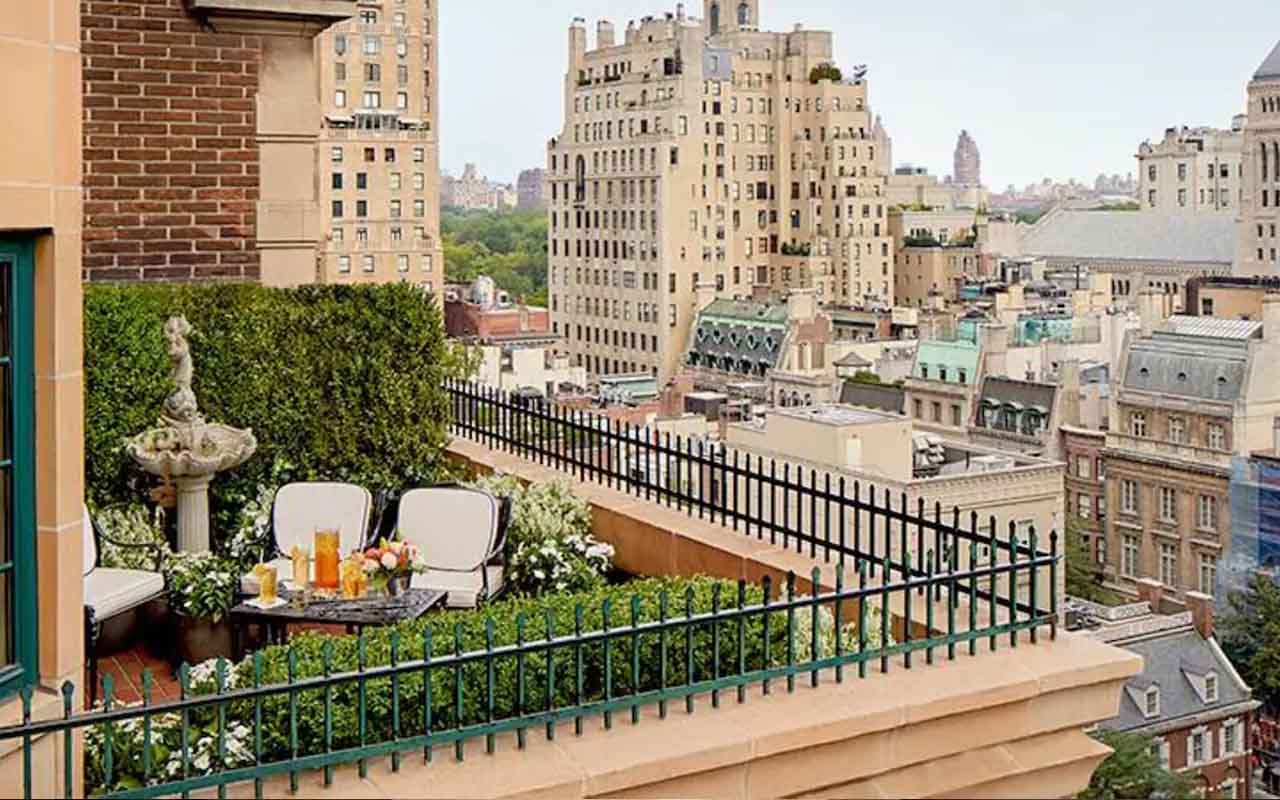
<point>309,650</point>
<point>337,382</point>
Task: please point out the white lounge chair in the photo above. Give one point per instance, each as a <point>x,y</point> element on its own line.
<point>301,508</point>
<point>460,533</point>
<point>110,592</point>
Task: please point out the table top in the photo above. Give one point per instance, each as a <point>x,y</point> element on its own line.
<point>377,610</point>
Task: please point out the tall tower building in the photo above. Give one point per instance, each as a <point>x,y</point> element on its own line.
<point>379,163</point>
<point>968,161</point>
<point>1258,245</point>
<point>703,158</point>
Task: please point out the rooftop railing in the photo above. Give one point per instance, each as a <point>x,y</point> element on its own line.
<point>386,695</point>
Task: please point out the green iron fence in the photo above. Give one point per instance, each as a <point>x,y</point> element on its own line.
<point>234,726</point>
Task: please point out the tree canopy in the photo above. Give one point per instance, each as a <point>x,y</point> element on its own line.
<point>1084,578</point>
<point>1250,636</point>
<point>508,246</point>
<point>1133,770</point>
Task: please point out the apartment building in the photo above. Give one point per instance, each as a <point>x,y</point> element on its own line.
<point>1187,398</point>
<point>1258,246</point>
<point>378,152</point>
<point>706,150</point>
<point>1192,169</point>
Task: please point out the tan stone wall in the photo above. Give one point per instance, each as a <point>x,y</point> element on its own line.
<point>40,196</point>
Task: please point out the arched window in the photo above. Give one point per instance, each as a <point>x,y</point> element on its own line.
<point>580,180</point>
<point>744,15</point>
<point>714,16</point>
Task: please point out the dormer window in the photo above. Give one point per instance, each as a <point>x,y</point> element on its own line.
<point>1151,702</point>
<point>1211,687</point>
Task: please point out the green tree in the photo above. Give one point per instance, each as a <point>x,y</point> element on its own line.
<point>1084,579</point>
<point>1133,770</point>
<point>508,246</point>
<point>1250,635</point>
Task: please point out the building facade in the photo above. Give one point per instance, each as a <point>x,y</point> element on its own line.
<point>1258,248</point>
<point>1187,398</point>
<point>968,162</point>
<point>706,151</point>
<point>1192,169</point>
<point>378,152</point>
<point>473,192</point>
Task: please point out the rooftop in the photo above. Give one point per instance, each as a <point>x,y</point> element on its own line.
<point>1214,327</point>
<point>1145,236</point>
<point>836,414</point>
<point>1271,66</point>
<point>1195,357</point>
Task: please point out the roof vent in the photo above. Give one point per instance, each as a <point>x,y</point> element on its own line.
<point>1182,376</point>
<point>1144,372</point>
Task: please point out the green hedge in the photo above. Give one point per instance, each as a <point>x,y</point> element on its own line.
<point>309,649</point>
<point>337,382</point>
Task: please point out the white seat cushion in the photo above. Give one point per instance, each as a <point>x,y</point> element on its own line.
<point>301,508</point>
<point>454,528</point>
<point>109,591</point>
<point>90,543</point>
<point>284,575</point>
<point>464,588</point>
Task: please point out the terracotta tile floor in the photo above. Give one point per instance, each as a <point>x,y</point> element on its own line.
<point>127,667</point>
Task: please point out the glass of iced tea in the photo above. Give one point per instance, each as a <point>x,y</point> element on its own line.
<point>268,583</point>
<point>301,557</point>
<point>327,559</point>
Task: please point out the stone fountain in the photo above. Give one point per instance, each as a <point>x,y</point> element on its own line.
<point>185,449</point>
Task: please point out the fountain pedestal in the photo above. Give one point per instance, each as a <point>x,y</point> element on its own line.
<point>185,448</point>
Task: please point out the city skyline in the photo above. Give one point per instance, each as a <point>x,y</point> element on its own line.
<point>1092,127</point>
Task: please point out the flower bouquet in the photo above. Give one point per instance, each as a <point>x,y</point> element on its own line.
<point>391,565</point>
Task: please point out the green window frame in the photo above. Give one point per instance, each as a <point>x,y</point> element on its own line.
<point>18,650</point>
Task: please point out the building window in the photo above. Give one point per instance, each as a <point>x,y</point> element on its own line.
<point>372,100</point>
<point>335,235</point>
<point>1207,513</point>
<point>340,44</point>
<point>1160,748</point>
<point>18,617</point>
<point>419,155</point>
<point>393,181</point>
<point>371,45</point>
<point>373,73</point>
<point>337,209</point>
<point>362,208</point>
<point>1211,687</point>
<point>1216,436</point>
<point>1084,506</point>
<point>1177,430</point>
<point>370,155</point>
<point>1129,496</point>
<point>1208,573</point>
<point>426,262</point>
<point>955,416</point>
<point>402,100</point>
<point>340,98</point>
<point>1168,504</point>
<point>1151,702</point>
<point>1129,557</point>
<point>1169,564</point>
<point>936,408</point>
<point>419,181</point>
<point>366,263</point>
<point>395,209</point>
<point>918,409</point>
<point>1195,749</point>
<point>419,208</point>
<point>344,264</point>
<point>335,155</point>
<point>402,263</point>
<point>1083,466</point>
<point>1137,423</point>
<point>1230,736</point>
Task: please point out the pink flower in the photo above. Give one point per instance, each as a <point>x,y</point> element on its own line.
<point>389,560</point>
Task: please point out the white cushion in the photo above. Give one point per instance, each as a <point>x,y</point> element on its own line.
<point>90,543</point>
<point>464,588</point>
<point>284,573</point>
<point>454,528</point>
<point>301,508</point>
<point>108,591</point>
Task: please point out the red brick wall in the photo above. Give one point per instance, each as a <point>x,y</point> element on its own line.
<point>170,161</point>
<point>466,319</point>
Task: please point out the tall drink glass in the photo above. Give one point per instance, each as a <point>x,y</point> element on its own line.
<point>327,558</point>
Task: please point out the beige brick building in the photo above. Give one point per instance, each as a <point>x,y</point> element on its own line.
<point>706,150</point>
<point>1258,246</point>
<point>1192,169</point>
<point>378,155</point>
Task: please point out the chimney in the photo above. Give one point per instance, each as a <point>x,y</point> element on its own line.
<point>577,45</point>
<point>1151,310</point>
<point>802,305</point>
<point>1201,608</point>
<point>1069,387</point>
<point>1151,592</point>
<point>993,345</point>
<point>604,34</point>
<point>1271,318</point>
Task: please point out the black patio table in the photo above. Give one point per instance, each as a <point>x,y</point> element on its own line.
<point>354,614</point>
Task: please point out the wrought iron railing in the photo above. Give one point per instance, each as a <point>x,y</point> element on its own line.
<point>289,709</point>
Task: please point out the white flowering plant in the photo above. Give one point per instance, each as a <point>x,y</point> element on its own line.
<point>249,542</point>
<point>201,584</point>
<point>128,742</point>
<point>133,537</point>
<point>549,543</point>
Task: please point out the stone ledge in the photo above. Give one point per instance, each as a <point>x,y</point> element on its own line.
<point>267,17</point>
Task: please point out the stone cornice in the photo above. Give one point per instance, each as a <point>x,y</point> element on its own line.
<point>303,18</point>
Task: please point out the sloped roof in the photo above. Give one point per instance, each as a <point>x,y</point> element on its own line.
<point>1271,67</point>
<point>1163,665</point>
<point>1197,367</point>
<point>852,359</point>
<point>878,396</point>
<point>1134,235</point>
<point>1215,327</point>
<point>746,310</point>
<point>1029,394</point>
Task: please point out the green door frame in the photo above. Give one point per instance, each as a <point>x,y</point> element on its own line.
<point>19,253</point>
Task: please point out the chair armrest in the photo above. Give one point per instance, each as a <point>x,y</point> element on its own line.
<point>158,557</point>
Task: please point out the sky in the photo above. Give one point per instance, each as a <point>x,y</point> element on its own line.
<point>1059,90</point>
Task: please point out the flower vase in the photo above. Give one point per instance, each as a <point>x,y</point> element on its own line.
<point>398,585</point>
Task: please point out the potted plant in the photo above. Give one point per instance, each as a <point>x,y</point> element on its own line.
<point>391,564</point>
<point>201,593</point>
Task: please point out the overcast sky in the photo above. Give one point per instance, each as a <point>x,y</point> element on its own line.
<point>1056,90</point>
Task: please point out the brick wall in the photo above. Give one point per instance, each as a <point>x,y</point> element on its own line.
<point>170,161</point>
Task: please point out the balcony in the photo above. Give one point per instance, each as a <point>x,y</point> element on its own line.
<point>1216,462</point>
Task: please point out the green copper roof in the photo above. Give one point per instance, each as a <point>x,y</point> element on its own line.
<point>746,311</point>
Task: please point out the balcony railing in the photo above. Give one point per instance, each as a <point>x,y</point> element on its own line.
<point>607,663</point>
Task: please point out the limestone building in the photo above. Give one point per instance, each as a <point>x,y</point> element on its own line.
<point>1192,169</point>
<point>968,162</point>
<point>473,191</point>
<point>530,189</point>
<point>1258,245</point>
<point>706,150</point>
<point>378,154</point>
